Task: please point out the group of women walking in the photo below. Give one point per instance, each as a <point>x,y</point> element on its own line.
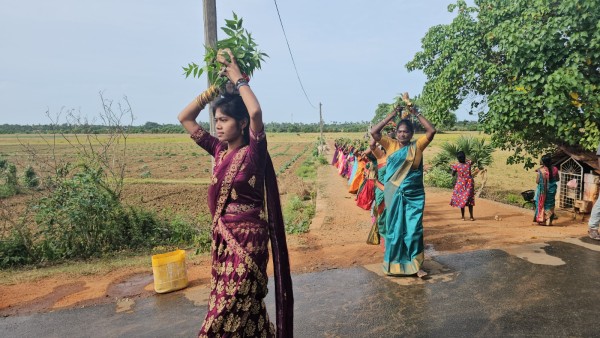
<point>386,175</point>
<point>398,200</point>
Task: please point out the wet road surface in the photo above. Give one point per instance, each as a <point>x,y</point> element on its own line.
<point>542,290</point>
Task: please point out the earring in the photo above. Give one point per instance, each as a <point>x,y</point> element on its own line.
<point>242,132</point>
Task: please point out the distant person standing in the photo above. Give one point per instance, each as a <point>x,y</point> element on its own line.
<point>595,215</point>
<point>464,189</point>
<point>545,195</point>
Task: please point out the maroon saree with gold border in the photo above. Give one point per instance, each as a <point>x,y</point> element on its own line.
<point>242,181</point>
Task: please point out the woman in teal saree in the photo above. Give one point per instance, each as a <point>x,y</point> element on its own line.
<point>404,195</point>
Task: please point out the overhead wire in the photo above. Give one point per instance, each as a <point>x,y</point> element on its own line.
<point>292,56</point>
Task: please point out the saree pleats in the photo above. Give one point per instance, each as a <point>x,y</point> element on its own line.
<point>238,283</point>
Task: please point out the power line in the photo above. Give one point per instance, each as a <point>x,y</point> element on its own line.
<point>292,56</point>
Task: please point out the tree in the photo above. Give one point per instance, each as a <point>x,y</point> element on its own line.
<point>529,68</point>
<point>383,109</point>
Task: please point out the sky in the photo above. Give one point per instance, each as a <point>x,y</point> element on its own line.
<point>351,55</point>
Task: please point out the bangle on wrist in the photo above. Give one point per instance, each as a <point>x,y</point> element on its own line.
<point>240,83</point>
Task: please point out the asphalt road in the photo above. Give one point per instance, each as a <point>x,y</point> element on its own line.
<point>543,290</point>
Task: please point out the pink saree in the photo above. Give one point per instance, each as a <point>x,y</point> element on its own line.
<point>242,227</point>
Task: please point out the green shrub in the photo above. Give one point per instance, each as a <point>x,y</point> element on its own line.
<point>203,238</point>
<point>298,215</point>
<point>307,170</point>
<point>30,178</point>
<point>14,250</point>
<point>80,218</point>
<point>514,199</point>
<point>10,185</point>
<point>440,178</point>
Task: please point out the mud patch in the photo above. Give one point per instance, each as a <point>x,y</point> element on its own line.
<point>125,305</point>
<point>585,242</point>
<point>197,295</point>
<point>129,286</point>
<point>43,303</point>
<point>534,253</point>
<point>437,273</point>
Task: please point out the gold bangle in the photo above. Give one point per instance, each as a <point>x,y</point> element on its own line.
<point>198,102</point>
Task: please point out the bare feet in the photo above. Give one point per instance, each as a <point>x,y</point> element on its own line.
<point>421,273</point>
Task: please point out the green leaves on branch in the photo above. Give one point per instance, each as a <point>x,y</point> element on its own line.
<point>242,45</point>
<point>529,69</point>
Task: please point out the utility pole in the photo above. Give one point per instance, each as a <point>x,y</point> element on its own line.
<point>321,125</point>
<point>210,40</point>
<point>209,8</point>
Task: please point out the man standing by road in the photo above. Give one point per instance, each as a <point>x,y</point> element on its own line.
<point>595,215</point>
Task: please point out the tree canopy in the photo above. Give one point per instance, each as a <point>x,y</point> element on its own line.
<point>529,68</point>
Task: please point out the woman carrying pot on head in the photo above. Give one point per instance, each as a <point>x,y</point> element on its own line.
<point>404,194</point>
<point>242,223</point>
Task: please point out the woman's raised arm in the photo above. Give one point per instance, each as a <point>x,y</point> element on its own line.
<point>376,129</point>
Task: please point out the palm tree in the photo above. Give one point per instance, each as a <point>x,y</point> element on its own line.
<point>476,149</point>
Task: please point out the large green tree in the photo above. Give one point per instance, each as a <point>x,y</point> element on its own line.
<point>529,68</point>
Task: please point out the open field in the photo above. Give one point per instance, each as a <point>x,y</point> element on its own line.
<point>167,173</point>
<point>170,172</point>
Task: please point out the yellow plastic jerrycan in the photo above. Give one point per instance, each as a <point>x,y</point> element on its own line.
<point>169,271</point>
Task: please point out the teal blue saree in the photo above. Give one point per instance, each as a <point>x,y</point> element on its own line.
<point>404,197</point>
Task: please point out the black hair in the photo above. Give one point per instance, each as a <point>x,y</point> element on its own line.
<point>460,156</point>
<point>234,107</point>
<point>408,125</point>
<point>547,162</point>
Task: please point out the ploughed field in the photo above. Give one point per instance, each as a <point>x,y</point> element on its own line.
<point>164,172</point>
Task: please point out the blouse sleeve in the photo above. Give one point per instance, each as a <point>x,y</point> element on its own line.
<point>258,147</point>
<point>205,140</point>
<point>422,142</point>
<point>389,144</point>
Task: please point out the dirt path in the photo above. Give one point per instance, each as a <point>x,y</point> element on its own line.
<point>337,239</point>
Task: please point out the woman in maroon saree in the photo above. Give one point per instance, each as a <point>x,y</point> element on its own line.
<point>242,223</point>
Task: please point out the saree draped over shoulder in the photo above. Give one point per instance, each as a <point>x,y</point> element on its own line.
<point>545,195</point>
<point>242,226</point>
<point>404,198</point>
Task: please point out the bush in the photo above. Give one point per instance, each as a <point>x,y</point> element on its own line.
<point>307,170</point>
<point>298,215</point>
<point>82,218</point>
<point>14,250</point>
<point>514,199</point>
<point>30,178</point>
<point>440,178</point>
<point>10,186</point>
